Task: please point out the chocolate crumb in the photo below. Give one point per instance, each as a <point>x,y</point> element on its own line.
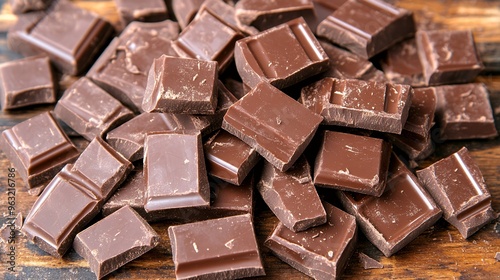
<point>368,262</point>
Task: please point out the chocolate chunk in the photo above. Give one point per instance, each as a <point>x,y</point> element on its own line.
<point>122,69</point>
<point>320,252</point>
<point>403,212</point>
<point>181,86</point>
<point>448,56</point>
<point>291,195</point>
<point>282,56</point>
<point>89,110</point>
<point>368,262</point>
<point>185,10</point>
<point>458,187</point>
<point>115,240</point>
<point>402,65</point>
<point>38,149</point>
<point>26,82</point>
<point>464,112</point>
<point>230,252</point>
<point>322,9</point>
<point>23,6</point>
<point>367,27</point>
<point>338,163</point>
<point>148,10</point>
<point>413,145</point>
<point>277,126</point>
<point>174,167</point>
<point>71,47</point>
<point>228,158</point>
<point>361,104</point>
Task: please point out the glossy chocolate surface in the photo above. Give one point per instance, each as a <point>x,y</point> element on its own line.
<point>402,65</point>
<point>145,10</point>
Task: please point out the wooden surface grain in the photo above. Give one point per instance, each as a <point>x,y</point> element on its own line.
<point>439,252</point>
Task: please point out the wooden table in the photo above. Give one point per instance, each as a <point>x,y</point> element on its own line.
<point>439,252</point>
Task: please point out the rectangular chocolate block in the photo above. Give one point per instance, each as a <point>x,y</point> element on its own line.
<point>89,110</point>
<point>115,240</point>
<point>145,10</point>
<point>291,195</point>
<point>458,187</point>
<point>230,252</point>
<point>403,212</point>
<point>26,82</point>
<point>320,252</point>
<point>277,126</point>
<point>401,64</point>
<point>338,163</point>
<point>282,56</point>
<point>367,27</point>
<point>181,86</point>
<point>361,104</point>
<point>38,149</point>
<point>174,167</point>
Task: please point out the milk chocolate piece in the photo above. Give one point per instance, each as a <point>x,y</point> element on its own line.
<point>71,47</point>
<point>361,104</point>
<point>415,146</point>
<point>181,86</point>
<point>368,262</point>
<point>89,110</point>
<point>402,65</point>
<point>458,187</point>
<point>228,158</point>
<point>291,195</point>
<point>464,112</point>
<point>115,240</point>
<point>122,69</point>
<point>282,56</point>
<point>277,126</point>
<point>231,251</point>
<point>145,10</point>
<point>393,220</point>
<point>185,10</point>
<point>338,163</point>
<point>26,82</point>
<point>24,6</point>
<point>367,27</point>
<point>322,9</point>
<point>38,149</point>
<point>174,167</point>
<point>448,56</point>
<point>422,110</point>
<point>320,252</point>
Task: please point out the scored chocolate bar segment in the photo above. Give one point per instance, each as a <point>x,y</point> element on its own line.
<point>174,167</point>
<point>26,82</point>
<point>145,10</point>
<point>277,126</point>
<point>448,56</point>
<point>38,149</point>
<point>401,64</point>
<point>181,86</point>
<point>282,55</point>
<point>320,252</point>
<point>403,212</point>
<point>115,240</point>
<point>291,195</point>
<point>231,251</point>
<point>338,163</point>
<point>89,110</point>
<point>361,104</point>
<point>367,27</point>
<point>458,187</point>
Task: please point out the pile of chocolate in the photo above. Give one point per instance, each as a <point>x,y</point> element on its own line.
<point>281,96</point>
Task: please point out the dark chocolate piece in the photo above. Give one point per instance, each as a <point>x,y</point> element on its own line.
<point>458,187</point>
<point>291,195</point>
<point>89,110</point>
<point>277,126</point>
<point>145,10</point>
<point>181,86</point>
<point>361,104</point>
<point>38,149</point>
<point>448,56</point>
<point>282,56</point>
<point>228,158</point>
<point>422,110</point>
<point>368,262</point>
<point>174,167</point>
<point>26,82</point>
<point>402,65</point>
<point>403,212</point>
<point>230,252</point>
<point>71,47</point>
<point>320,252</point>
<point>338,163</point>
<point>367,27</point>
<point>185,10</point>
<point>122,69</point>
<point>24,6</point>
<point>115,240</point>
<point>464,112</point>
